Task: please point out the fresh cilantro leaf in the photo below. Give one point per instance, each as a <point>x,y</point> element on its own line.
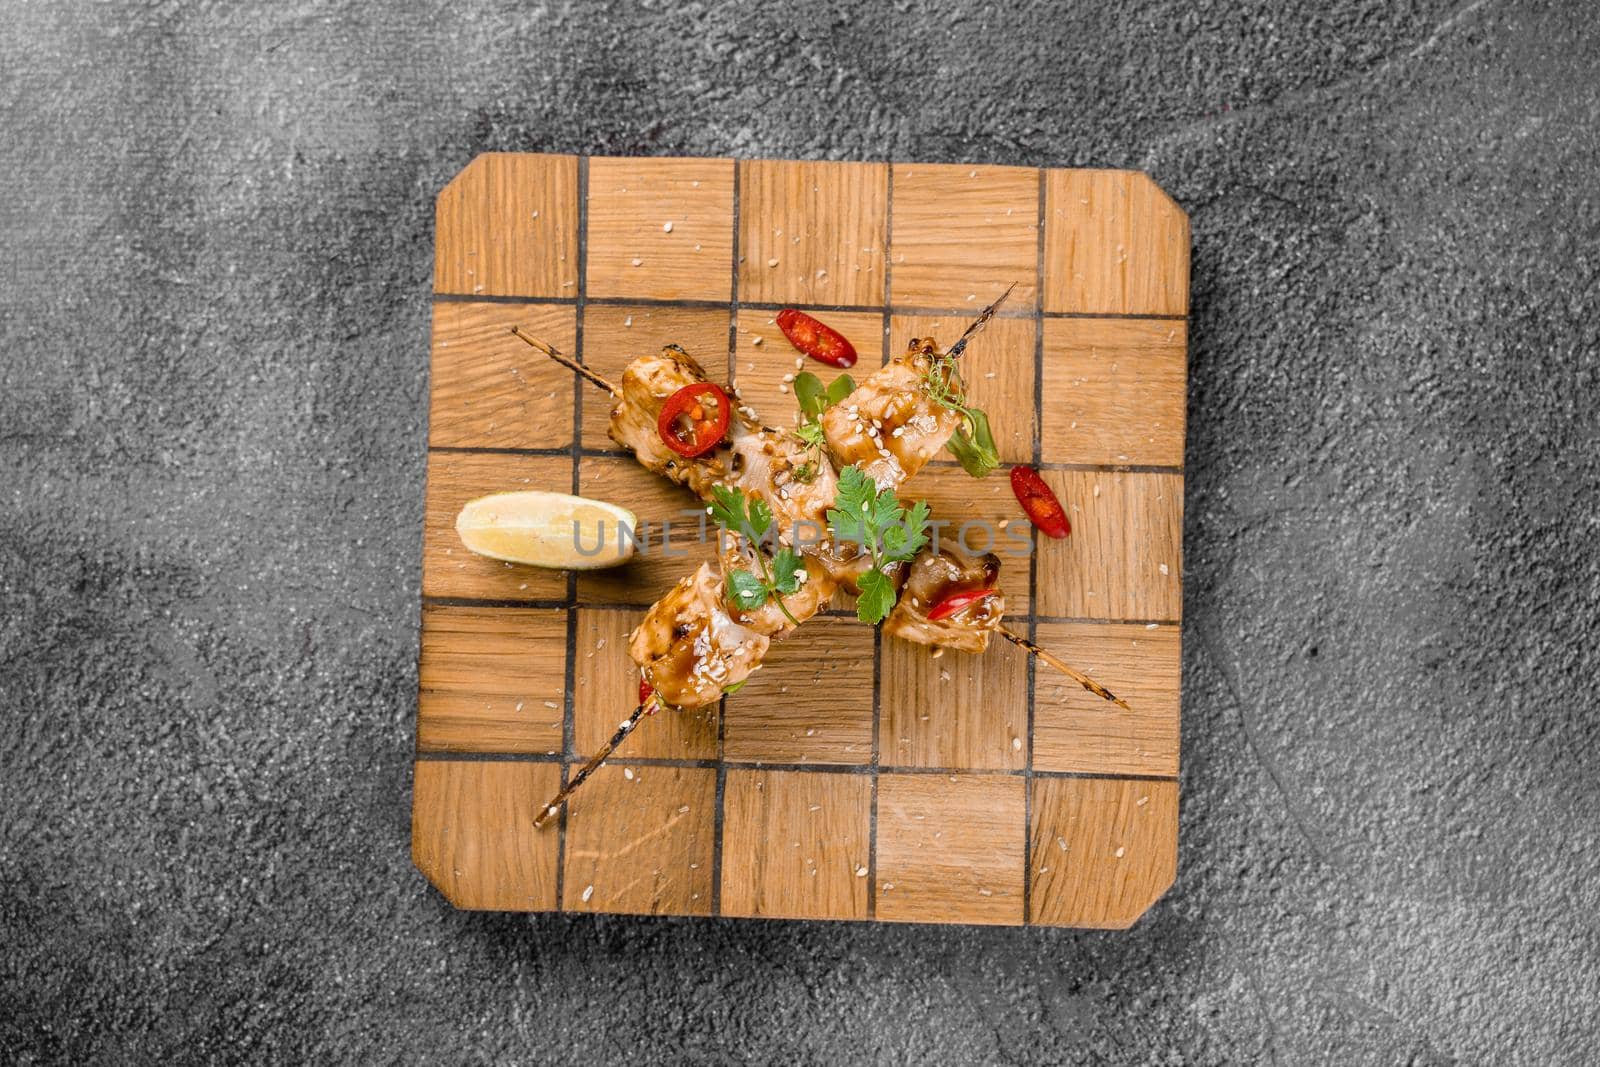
<point>847,519</point>
<point>806,473</point>
<point>810,395</point>
<point>811,433</point>
<point>856,490</point>
<point>727,508</point>
<point>760,518</point>
<point>787,567</point>
<point>876,599</point>
<point>975,449</point>
<point>886,530</point>
<point>838,389</point>
<point>916,527</point>
<point>747,591</point>
<point>903,539</point>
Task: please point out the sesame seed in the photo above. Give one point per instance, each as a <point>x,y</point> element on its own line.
<point>588,891</point>
<point>1118,853</point>
<point>666,227</point>
<point>861,872</point>
<point>772,263</point>
<point>637,262</point>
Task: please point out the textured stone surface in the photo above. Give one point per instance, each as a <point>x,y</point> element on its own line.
<point>213,321</point>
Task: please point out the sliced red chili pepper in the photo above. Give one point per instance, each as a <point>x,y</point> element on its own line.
<point>694,419</point>
<point>955,602</point>
<point>646,690</point>
<point>816,339</point>
<point>1039,501</point>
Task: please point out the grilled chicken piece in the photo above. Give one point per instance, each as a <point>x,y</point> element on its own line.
<point>797,483</point>
<point>689,648</point>
<point>933,576</point>
<point>769,619</point>
<point>646,384</point>
<point>845,563</point>
<point>890,427</point>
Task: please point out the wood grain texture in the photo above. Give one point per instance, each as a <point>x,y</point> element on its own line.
<point>950,848</point>
<point>961,234</point>
<point>490,679</point>
<point>472,833</point>
<point>796,845</point>
<point>639,841</point>
<point>448,568</point>
<point>1103,849</point>
<point>615,335</point>
<point>811,702</point>
<point>1124,559</point>
<point>508,226</point>
<point>957,711</point>
<point>490,390</point>
<point>930,759</point>
<point>997,369</point>
<point>1115,244</point>
<point>812,233</point>
<point>1074,730</point>
<point>605,688</point>
<point>656,502</point>
<point>1116,390</point>
<point>661,228</point>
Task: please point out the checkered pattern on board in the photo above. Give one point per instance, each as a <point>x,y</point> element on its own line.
<point>854,777</point>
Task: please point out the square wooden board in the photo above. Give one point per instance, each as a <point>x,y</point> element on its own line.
<point>854,777</point>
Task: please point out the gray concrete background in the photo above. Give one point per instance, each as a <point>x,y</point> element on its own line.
<point>216,255</point>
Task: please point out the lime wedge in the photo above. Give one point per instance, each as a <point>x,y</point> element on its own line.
<point>548,530</point>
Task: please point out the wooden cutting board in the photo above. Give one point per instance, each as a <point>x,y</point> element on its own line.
<point>854,777</point>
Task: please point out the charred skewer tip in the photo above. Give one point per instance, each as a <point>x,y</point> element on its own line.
<point>1071,672</point>
<point>550,810</point>
<point>566,361</point>
<point>978,324</point>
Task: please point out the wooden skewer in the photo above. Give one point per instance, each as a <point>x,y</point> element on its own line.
<point>565,361</point>
<point>978,324</point>
<point>1059,664</point>
<point>549,811</point>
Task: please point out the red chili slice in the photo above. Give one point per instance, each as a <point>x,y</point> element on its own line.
<point>694,419</point>
<point>955,602</point>
<point>646,690</point>
<point>819,341</point>
<point>1039,501</point>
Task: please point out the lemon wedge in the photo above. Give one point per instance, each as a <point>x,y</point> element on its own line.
<point>548,530</point>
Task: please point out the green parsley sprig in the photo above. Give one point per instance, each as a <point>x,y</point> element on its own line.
<point>884,528</point>
<point>774,579</point>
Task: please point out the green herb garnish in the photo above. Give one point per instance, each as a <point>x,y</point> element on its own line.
<point>750,518</point>
<point>972,443</point>
<point>885,529</point>
<point>814,398</point>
